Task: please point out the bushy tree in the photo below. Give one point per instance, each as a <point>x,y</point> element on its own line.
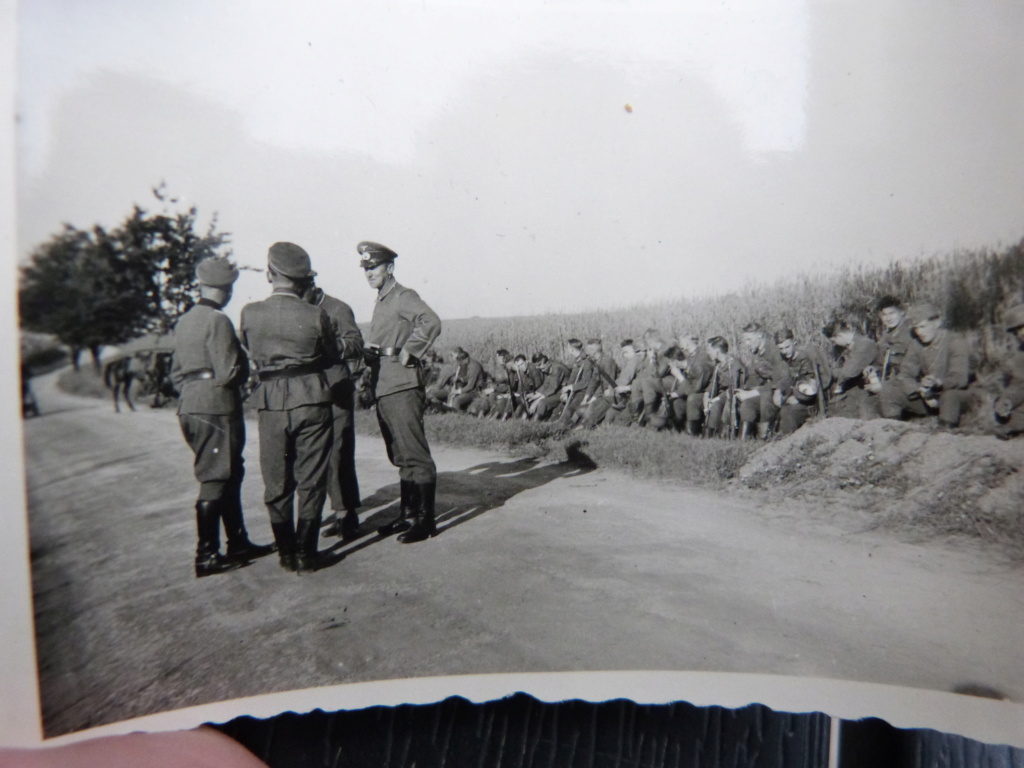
<point>97,287</point>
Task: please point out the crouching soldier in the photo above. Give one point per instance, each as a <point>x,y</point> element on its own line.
<point>801,391</point>
<point>209,369</point>
<point>720,414</point>
<point>934,374</point>
<point>1009,405</point>
<point>854,367</point>
<point>692,379</point>
<point>762,365</point>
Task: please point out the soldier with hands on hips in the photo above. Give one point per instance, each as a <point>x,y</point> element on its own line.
<point>402,329</point>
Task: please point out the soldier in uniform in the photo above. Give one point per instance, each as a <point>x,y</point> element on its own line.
<point>894,341</point>
<point>549,394</point>
<point>342,483</point>
<point>292,344</point>
<point>401,331</point>
<point>691,376</point>
<point>719,404</point>
<point>762,365</point>
<point>804,379</point>
<point>649,385</point>
<point>933,376</point>
<point>1008,409</point>
<point>852,370</point>
<point>495,398</point>
<point>208,369</point>
<point>575,391</point>
<point>466,383</point>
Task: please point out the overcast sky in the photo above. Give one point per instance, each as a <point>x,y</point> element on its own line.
<point>490,143</point>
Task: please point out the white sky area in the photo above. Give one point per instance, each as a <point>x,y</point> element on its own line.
<point>489,143</point>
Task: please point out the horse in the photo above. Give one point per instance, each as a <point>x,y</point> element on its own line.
<point>118,376</point>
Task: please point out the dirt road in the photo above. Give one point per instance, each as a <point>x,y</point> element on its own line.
<point>538,567</point>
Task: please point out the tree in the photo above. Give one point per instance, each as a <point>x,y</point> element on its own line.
<point>91,288</point>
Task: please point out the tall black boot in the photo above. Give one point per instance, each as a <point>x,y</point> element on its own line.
<point>424,526</point>
<point>402,522</point>
<point>693,428</point>
<point>208,558</point>
<point>307,539</point>
<point>284,537</point>
<point>350,525</point>
<point>239,546</point>
<point>748,430</point>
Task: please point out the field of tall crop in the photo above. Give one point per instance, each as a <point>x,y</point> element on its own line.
<point>974,287</point>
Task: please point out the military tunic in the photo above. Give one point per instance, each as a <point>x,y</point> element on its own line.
<point>808,363</point>
<point>402,320</point>
<point>1011,397</point>
<point>292,344</point>
<point>342,483</point>
<point>851,397</point>
<point>948,359</point>
<point>208,369</point>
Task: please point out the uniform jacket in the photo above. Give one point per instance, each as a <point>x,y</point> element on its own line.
<point>698,370</point>
<point>468,376</point>
<point>605,372</point>
<point>858,356</point>
<point>501,380</point>
<point>802,366</point>
<point>1013,387</point>
<point>556,378</point>
<point>947,358</point>
<point>763,368</point>
<point>581,375</point>
<point>630,367</point>
<point>897,343</point>
<point>281,332</point>
<point>204,340</point>
<point>346,334</point>
<point>401,320</point>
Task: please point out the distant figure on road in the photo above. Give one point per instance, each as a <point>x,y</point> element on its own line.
<point>29,405</point>
<point>117,377</point>
<point>292,344</point>
<point>209,367</point>
<point>342,484</point>
<point>402,329</point>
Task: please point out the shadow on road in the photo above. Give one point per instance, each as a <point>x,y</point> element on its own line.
<point>469,493</point>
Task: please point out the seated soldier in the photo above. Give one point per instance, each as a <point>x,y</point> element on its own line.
<point>691,378</point>
<point>720,406</point>
<point>440,389</point>
<point>493,399</point>
<point>1008,409</point>
<point>934,375</point>
<point>573,389</point>
<point>852,370</point>
<point>649,385</point>
<point>549,394</point>
<point>799,393</point>
<point>762,365</point>
<point>894,340</point>
<point>466,383</point>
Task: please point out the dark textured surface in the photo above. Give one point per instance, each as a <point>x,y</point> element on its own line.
<point>521,732</point>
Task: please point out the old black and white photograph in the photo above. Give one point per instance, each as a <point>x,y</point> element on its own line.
<point>366,341</point>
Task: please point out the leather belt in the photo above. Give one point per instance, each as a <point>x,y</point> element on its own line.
<point>389,351</point>
<point>289,373</point>
<point>200,375</point>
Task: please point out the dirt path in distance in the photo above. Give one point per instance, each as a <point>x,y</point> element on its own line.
<point>539,566</point>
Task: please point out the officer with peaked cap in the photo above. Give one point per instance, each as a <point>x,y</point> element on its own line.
<point>402,329</point>
<point>1008,408</point>
<point>292,344</point>
<point>209,368</point>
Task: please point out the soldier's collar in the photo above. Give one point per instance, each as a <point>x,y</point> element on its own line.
<point>385,289</point>
<point>204,302</point>
<point>285,292</point>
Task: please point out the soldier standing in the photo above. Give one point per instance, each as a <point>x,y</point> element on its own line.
<point>292,344</point>
<point>342,483</point>
<point>208,369</point>
<point>402,329</point>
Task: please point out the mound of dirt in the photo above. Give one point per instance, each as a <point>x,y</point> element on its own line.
<point>899,473</point>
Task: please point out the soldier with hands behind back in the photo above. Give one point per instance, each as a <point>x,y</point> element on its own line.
<point>401,331</point>
<point>208,370</point>
<point>292,344</point>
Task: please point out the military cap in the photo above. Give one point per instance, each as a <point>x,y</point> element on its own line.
<point>1015,317</point>
<point>290,260</point>
<point>216,271</point>
<point>922,312</point>
<point>374,254</point>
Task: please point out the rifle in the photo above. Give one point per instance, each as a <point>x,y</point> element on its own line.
<point>732,405</point>
<point>821,392</point>
<point>885,365</point>
<point>712,391</point>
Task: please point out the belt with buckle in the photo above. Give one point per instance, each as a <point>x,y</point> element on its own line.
<point>288,373</point>
<point>200,375</point>
<point>389,351</point>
